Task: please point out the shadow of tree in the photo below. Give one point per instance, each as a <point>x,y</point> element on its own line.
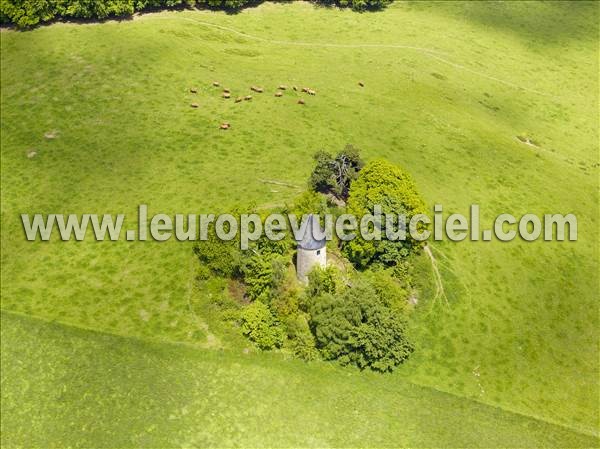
<point>538,23</point>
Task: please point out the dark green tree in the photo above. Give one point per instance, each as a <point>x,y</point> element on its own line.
<point>334,174</point>
<point>358,328</point>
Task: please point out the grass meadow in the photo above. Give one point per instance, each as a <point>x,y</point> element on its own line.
<point>512,357</point>
<point>110,391</point>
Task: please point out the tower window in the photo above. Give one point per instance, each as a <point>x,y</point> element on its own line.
<point>318,252</point>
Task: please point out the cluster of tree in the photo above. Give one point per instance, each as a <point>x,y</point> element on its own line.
<point>358,320</point>
<point>28,13</point>
<point>263,269</point>
<point>355,317</point>
<point>379,183</point>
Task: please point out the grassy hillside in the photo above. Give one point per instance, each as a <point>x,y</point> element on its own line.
<point>448,87</point>
<point>131,393</point>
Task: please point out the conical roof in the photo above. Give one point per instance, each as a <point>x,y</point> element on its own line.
<point>308,240</point>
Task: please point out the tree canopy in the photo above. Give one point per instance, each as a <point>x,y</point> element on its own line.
<point>387,185</point>
<point>358,327</point>
<point>29,13</point>
<point>334,174</point>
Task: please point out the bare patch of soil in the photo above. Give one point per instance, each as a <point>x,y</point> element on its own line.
<point>237,290</point>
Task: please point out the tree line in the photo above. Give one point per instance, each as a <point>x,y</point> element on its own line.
<point>29,13</point>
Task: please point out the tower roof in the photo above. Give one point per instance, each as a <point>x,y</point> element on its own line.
<point>308,240</point>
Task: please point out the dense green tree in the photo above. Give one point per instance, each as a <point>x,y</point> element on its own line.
<point>381,183</point>
<point>358,328</point>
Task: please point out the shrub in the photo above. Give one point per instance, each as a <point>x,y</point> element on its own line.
<point>266,247</point>
<point>301,341</point>
<point>27,13</point>
<point>263,275</point>
<point>391,292</point>
<point>361,5</point>
<point>261,327</point>
<point>322,280</point>
<point>389,186</point>
<point>309,203</point>
<point>221,258</point>
<point>258,277</point>
<point>286,303</point>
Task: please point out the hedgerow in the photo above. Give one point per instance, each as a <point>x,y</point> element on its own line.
<point>29,13</point>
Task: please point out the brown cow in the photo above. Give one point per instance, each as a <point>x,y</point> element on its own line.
<point>301,101</point>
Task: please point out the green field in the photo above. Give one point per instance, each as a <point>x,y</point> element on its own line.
<point>448,88</point>
<point>108,391</point>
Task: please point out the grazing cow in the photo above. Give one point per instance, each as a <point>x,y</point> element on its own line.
<point>311,92</point>
<point>282,87</point>
<point>305,89</point>
<point>295,88</point>
<point>361,84</point>
<point>216,83</point>
<point>226,95</point>
<point>193,90</point>
<point>278,94</point>
<point>227,91</point>
<point>301,101</point>
<point>194,105</point>
<point>225,125</point>
<point>248,97</point>
<point>257,89</point>
<point>238,99</point>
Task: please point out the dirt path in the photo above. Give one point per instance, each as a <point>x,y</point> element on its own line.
<point>212,341</point>
<point>428,52</point>
<point>440,294</point>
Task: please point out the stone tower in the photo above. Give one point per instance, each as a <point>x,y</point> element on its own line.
<point>310,252</point>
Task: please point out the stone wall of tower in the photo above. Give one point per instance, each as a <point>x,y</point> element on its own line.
<point>307,259</point>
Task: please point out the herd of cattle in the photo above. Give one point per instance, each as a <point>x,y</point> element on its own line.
<point>226,94</point>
